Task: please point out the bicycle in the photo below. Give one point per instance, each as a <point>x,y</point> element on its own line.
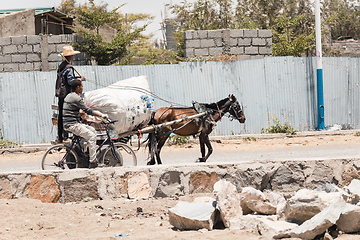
<point>63,156</point>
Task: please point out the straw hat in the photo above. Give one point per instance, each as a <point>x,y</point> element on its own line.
<point>68,51</point>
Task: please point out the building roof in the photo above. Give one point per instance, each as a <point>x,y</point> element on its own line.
<point>38,11</point>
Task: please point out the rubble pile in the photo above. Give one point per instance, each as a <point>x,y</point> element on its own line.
<point>307,214</point>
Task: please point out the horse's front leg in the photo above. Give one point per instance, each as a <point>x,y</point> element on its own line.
<point>204,140</point>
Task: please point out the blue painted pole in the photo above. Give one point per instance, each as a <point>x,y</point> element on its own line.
<point>319,71</point>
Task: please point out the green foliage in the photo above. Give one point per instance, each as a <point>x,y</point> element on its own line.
<point>106,52</point>
<point>178,140</point>
<point>286,41</point>
<point>275,126</point>
<point>6,143</point>
<point>357,134</point>
<point>250,139</point>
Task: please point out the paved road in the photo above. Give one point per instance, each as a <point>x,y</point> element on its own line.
<point>321,145</point>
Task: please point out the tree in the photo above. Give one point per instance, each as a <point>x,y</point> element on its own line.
<point>66,6</point>
<point>92,18</point>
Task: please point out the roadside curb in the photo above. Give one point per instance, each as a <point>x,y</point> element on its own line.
<point>31,148</point>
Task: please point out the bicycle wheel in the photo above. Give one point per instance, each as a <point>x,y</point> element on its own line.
<point>59,157</point>
<point>125,155</point>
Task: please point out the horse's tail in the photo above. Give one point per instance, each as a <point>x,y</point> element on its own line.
<point>151,142</point>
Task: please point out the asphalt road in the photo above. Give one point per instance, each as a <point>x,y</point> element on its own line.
<point>313,146</point>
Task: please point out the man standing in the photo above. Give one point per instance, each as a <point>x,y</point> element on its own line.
<point>73,103</point>
<point>65,76</point>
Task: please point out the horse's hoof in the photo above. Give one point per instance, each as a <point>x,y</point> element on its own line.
<point>201,160</point>
<point>150,163</point>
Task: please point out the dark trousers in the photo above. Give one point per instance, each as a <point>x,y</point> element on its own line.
<point>61,133</point>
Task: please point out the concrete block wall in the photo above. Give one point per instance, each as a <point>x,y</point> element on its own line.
<point>35,53</point>
<point>247,42</point>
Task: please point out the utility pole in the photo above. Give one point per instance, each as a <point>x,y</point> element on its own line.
<point>319,71</point>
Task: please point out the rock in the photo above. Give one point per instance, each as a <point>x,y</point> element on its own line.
<point>201,182</point>
<point>43,188</point>
<point>248,222</point>
<point>288,178</point>
<point>328,187</point>
<point>193,216</point>
<point>228,201</point>
<point>349,222</point>
<point>261,207</point>
<point>204,199</point>
<point>170,185</point>
<point>247,194</point>
<point>270,228</point>
<point>354,189</point>
<point>277,200</point>
<point>327,236</point>
<point>77,189</point>
<point>139,186</point>
<point>5,188</point>
<point>307,203</point>
<point>320,222</point>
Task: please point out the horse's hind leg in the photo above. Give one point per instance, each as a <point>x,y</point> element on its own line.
<point>160,144</point>
<point>205,141</point>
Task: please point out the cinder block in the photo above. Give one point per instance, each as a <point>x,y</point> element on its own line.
<point>215,51</point>
<point>258,42</point>
<point>53,57</point>
<point>33,39</point>
<point>54,39</point>
<point>18,40</point>
<point>67,38</point>
<point>196,35</point>
<point>189,52</point>
<point>233,42</point>
<point>201,52</point>
<point>192,43</point>
<point>18,58</point>
<point>244,42</point>
<point>52,48</point>
<point>26,67</point>
<point>9,49</point>
<point>236,33</point>
<point>36,48</point>
<point>214,33</point>
<point>265,33</point>
<point>269,42</point>
<point>265,50</point>
<point>59,47</point>
<point>37,66</point>
<point>33,57</point>
<point>250,33</point>
<point>251,50</point>
<point>203,34</point>
<point>188,35</point>
<point>5,41</point>
<point>1,67</point>
<point>236,50</point>
<point>25,49</point>
<point>11,67</point>
<point>5,59</point>
<point>218,42</point>
<point>207,43</point>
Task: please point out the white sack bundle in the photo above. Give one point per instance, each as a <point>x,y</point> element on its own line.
<point>124,101</point>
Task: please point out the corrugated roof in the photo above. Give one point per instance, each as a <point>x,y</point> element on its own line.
<point>38,11</point>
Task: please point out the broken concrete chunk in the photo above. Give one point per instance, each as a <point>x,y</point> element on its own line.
<point>139,186</point>
<point>307,203</point>
<point>193,216</point>
<point>320,222</point>
<point>349,222</point>
<point>249,222</point>
<point>354,190</point>
<point>247,194</point>
<point>270,228</point>
<point>261,207</point>
<point>228,201</point>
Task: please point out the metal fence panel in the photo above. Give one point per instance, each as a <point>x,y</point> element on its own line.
<point>282,88</point>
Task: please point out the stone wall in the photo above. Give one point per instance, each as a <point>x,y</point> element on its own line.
<point>250,42</point>
<point>173,181</point>
<point>35,52</point>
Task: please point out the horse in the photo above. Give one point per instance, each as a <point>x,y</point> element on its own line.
<point>203,125</point>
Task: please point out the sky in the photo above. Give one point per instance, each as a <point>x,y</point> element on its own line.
<point>153,7</point>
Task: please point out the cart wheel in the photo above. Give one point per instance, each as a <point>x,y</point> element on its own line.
<point>59,157</point>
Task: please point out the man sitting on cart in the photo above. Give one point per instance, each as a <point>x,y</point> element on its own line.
<point>73,105</point>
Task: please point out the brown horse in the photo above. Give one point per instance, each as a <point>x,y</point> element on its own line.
<point>203,125</point>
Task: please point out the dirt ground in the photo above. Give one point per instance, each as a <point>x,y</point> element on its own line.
<point>125,219</point>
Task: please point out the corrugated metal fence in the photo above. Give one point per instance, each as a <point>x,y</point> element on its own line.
<point>283,88</point>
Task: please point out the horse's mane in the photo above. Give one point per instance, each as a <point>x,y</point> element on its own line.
<point>215,105</point>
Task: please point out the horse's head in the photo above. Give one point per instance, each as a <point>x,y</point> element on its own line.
<point>235,109</point>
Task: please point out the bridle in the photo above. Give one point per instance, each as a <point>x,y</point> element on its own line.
<point>235,110</point>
